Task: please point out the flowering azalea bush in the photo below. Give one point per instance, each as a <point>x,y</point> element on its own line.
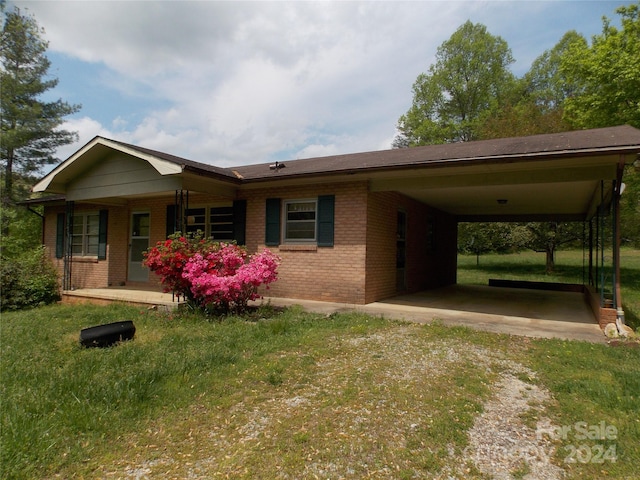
<point>169,257</point>
<point>218,276</point>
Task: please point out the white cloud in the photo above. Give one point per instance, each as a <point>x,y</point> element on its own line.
<point>245,82</point>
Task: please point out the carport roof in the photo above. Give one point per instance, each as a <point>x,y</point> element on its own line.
<point>613,140</point>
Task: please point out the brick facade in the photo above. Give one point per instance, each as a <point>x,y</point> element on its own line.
<point>359,268</point>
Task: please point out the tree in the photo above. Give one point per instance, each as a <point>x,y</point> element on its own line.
<point>481,238</point>
<point>547,237</point>
<point>31,130</point>
<point>608,73</point>
<point>469,79</point>
<point>539,102</point>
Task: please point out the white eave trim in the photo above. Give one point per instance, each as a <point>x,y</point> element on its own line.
<point>163,167</point>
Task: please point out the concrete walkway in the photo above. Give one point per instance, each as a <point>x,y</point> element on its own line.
<point>514,311</point>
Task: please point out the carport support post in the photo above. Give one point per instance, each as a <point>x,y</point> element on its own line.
<point>617,298</point>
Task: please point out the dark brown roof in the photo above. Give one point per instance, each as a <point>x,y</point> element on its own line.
<point>579,142</point>
<point>188,164</point>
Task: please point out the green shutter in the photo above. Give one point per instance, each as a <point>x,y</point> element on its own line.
<point>60,236</point>
<point>326,211</point>
<point>272,230</point>
<point>102,235</point>
<point>240,221</point>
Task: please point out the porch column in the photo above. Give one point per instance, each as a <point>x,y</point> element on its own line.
<point>617,296</point>
<point>68,246</point>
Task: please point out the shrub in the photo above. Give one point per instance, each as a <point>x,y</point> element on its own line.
<point>29,280</point>
<point>167,259</point>
<point>213,276</point>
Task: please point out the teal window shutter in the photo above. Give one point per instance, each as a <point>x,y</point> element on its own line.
<point>272,229</point>
<point>240,221</point>
<point>102,235</point>
<point>60,236</point>
<point>326,213</point>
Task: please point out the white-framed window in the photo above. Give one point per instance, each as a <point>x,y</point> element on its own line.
<point>85,234</point>
<point>215,221</point>
<point>300,220</point>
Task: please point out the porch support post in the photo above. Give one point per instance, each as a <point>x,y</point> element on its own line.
<point>181,205</point>
<point>68,246</point>
<point>617,297</point>
<point>590,280</point>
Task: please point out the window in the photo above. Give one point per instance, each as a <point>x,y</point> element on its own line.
<point>300,220</point>
<point>214,222</point>
<point>85,237</point>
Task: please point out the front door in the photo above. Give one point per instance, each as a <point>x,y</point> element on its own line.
<point>139,242</point>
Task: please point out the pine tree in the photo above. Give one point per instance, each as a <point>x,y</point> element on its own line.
<point>31,130</point>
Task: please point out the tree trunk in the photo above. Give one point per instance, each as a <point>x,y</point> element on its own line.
<point>7,194</point>
<point>550,259</point>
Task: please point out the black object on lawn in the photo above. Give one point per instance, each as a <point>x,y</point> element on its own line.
<point>108,334</point>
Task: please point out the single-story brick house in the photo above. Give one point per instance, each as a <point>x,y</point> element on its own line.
<point>352,228</point>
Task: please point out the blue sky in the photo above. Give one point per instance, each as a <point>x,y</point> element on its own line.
<point>233,83</point>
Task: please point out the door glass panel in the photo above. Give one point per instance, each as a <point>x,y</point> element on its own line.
<point>138,245</point>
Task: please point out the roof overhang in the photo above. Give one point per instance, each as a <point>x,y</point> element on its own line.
<point>562,177</point>
<point>565,176</point>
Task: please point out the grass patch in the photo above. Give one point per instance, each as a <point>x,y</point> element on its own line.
<point>291,394</point>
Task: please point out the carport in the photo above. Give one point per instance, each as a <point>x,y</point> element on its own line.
<point>568,177</point>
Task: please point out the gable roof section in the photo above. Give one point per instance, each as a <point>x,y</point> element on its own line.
<point>92,152</point>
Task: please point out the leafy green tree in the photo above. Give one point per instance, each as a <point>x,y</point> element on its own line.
<point>630,208</point>
<point>482,238</point>
<point>469,79</point>
<point>539,101</point>
<point>608,72</point>
<point>548,237</point>
<point>31,130</point>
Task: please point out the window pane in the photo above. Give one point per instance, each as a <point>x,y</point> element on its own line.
<point>300,221</point>
<point>93,224</point>
<point>301,231</point>
<point>92,246</point>
<point>78,225</point>
<point>301,216</point>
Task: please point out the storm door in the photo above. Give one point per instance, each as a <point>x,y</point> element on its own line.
<point>139,242</point>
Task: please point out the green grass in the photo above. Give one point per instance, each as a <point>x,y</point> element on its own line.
<point>289,393</point>
<point>570,268</point>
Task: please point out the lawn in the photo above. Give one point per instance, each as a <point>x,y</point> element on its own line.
<point>290,394</point>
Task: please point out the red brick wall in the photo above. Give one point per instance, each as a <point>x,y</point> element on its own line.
<point>425,268</point>
<point>382,218</point>
<point>359,268</point>
<point>317,273</point>
<point>86,272</point>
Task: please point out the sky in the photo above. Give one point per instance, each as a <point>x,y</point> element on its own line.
<point>236,83</point>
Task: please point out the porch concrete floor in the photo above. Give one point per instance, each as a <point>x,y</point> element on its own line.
<point>137,296</point>
<point>515,311</point>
